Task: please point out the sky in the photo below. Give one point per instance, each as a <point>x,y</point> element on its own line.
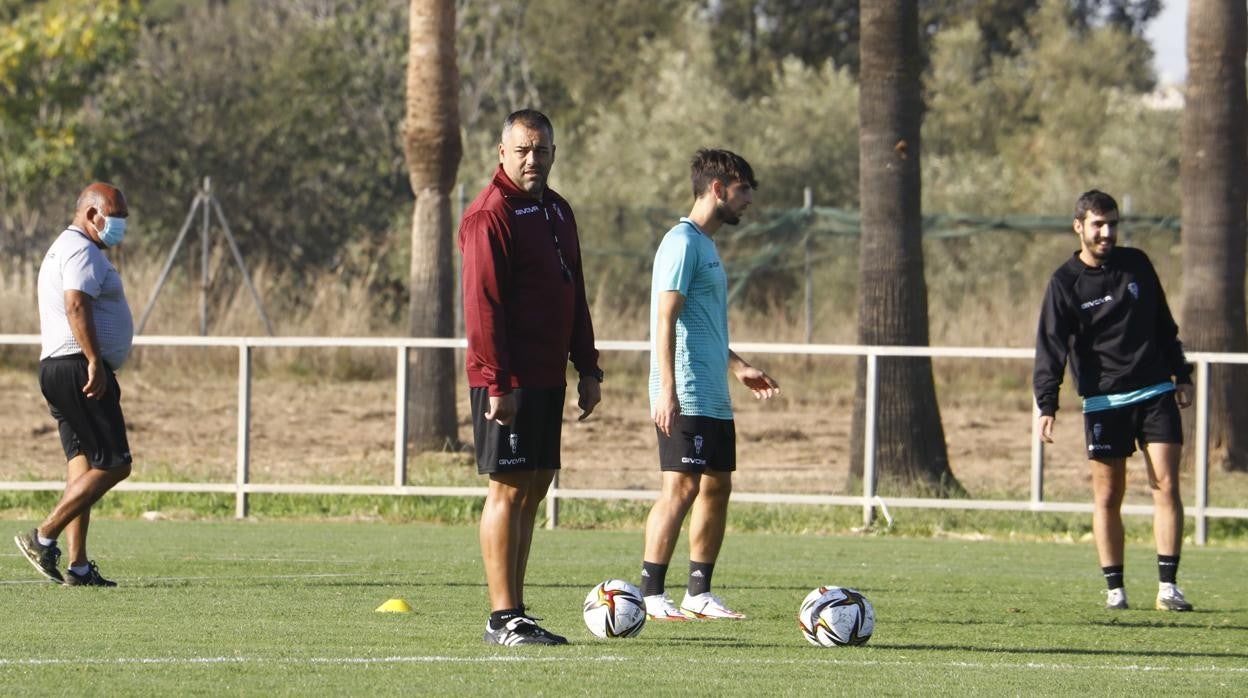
<point>1167,34</point>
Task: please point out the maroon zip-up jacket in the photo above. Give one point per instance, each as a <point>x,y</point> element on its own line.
<point>523,313</point>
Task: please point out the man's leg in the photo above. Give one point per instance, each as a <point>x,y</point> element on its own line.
<point>679,492</point>
<point>76,531</point>
<point>500,534</point>
<point>531,500</point>
<point>1162,461</point>
<point>706,536</point>
<point>81,492</point>
<point>504,551</point>
<point>710,516</point>
<point>1109,485</point>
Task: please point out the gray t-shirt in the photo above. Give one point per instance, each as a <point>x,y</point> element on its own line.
<point>74,262</point>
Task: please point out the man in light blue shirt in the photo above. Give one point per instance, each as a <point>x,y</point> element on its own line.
<point>689,399</point>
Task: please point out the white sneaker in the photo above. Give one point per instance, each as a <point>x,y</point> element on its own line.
<point>660,607</point>
<point>1170,598</point>
<point>1116,599</point>
<point>707,605</point>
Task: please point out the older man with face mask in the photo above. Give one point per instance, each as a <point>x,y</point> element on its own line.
<point>87,331</point>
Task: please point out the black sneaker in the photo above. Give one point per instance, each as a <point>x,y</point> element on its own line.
<point>91,579</point>
<point>43,558</point>
<point>521,630</point>
<point>559,639</point>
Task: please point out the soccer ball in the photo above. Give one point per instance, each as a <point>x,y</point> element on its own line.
<point>615,608</point>
<point>834,616</point>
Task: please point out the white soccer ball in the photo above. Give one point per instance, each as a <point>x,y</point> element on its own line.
<point>615,608</point>
<point>833,616</point>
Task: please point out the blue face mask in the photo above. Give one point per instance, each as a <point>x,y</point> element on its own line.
<point>113,232</point>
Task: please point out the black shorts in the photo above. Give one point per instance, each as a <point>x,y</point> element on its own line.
<point>93,428</point>
<point>1114,433</point>
<point>698,444</point>
<point>530,442</point>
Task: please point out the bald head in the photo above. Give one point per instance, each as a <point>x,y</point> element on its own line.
<point>98,202</point>
<point>105,198</point>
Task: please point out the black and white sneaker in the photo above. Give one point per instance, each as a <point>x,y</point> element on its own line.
<point>521,630</point>
<point>42,558</point>
<point>92,578</point>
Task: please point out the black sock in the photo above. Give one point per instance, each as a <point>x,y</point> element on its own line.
<point>1167,568</point>
<point>1113,576</point>
<point>653,578</point>
<point>700,577</point>
<point>499,618</point>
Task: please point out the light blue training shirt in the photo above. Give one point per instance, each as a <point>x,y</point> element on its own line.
<point>688,262</point>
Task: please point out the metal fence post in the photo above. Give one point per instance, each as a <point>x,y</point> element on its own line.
<point>868,440</point>
<point>242,477</point>
<point>1037,458</point>
<point>1202,451</point>
<point>552,504</point>
<point>401,386</point>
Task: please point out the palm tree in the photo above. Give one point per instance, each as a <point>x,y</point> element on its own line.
<point>433,150</point>
<point>892,306</point>
<point>1214,173</point>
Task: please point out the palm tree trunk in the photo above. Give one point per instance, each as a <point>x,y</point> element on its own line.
<point>1214,172</point>
<point>433,150</point>
<point>892,306</point>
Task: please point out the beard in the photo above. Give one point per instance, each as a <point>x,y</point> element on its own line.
<point>725,214</point>
<point>1093,247</point>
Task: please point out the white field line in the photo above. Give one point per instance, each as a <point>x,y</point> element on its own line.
<point>138,580</point>
<point>437,659</point>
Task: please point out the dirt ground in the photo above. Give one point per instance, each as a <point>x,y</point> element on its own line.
<point>183,427</point>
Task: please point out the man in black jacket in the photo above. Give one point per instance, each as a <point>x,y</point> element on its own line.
<point>1106,310</point>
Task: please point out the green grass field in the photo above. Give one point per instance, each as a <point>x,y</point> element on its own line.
<point>262,608</point>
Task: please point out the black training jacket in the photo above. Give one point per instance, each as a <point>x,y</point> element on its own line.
<point>1115,325</point>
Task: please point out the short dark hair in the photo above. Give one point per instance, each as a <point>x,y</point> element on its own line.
<point>714,165</point>
<point>1095,201</point>
<point>529,118</point>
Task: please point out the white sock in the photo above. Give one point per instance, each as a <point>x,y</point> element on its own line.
<point>80,570</point>
<point>45,542</point>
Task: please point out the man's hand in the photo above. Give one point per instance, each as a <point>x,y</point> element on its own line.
<point>762,385</point>
<point>1184,393</point>
<point>589,394</point>
<point>502,408</point>
<point>665,410</point>
<point>1046,428</point>
<point>97,383</point>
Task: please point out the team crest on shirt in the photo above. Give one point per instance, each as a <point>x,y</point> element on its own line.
<point>1134,289</point>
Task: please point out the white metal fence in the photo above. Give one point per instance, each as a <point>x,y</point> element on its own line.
<point>242,486</point>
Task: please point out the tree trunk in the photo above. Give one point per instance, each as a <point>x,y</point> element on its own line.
<point>892,306</point>
<point>1214,172</point>
<point>433,150</point>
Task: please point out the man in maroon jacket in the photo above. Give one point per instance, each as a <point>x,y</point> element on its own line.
<point>524,313</point>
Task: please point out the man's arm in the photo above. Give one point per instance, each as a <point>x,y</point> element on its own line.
<point>762,385</point>
<point>1052,336</point>
<point>486,282</point>
<point>667,406</point>
<point>82,324</point>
